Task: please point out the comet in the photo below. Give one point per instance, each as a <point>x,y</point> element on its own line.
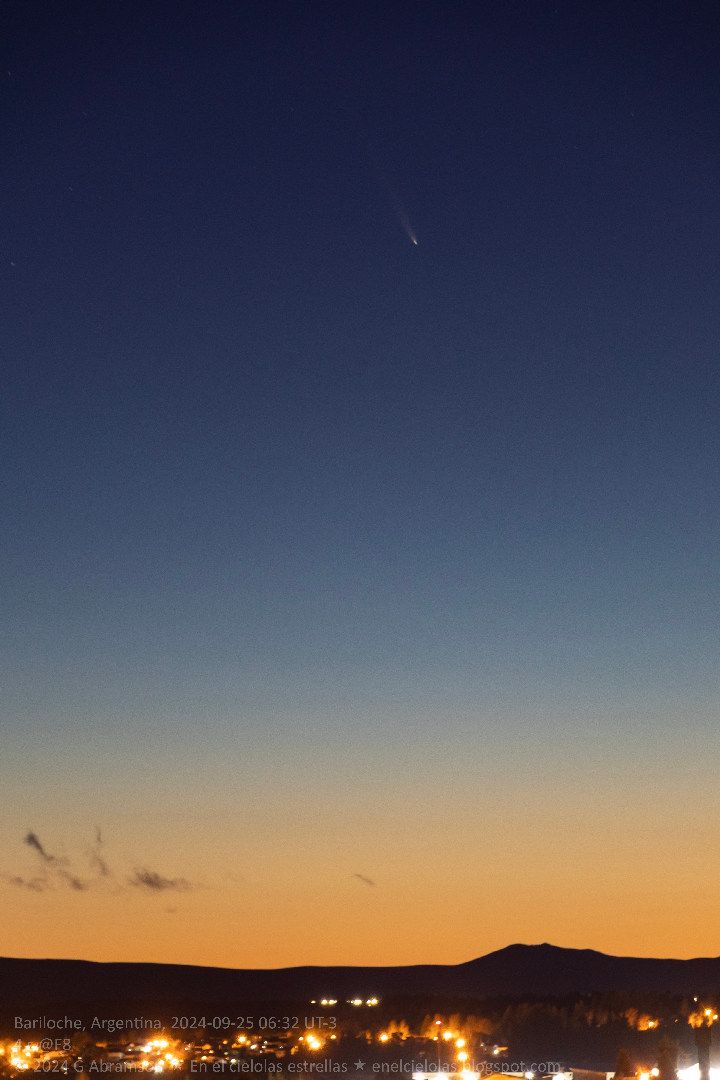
<point>407,228</point>
<point>397,203</point>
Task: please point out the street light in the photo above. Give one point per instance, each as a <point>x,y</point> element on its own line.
<point>702,1021</point>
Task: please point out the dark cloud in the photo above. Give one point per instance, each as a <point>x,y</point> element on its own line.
<point>54,865</point>
<point>154,882</point>
<point>35,884</point>
<point>57,872</point>
<point>365,880</point>
<point>33,840</point>
<point>97,859</point>
<point>73,882</point>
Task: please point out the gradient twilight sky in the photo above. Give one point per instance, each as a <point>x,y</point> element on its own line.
<point>327,555</point>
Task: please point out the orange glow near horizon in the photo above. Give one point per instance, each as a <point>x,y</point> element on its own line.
<point>372,928</point>
<point>273,864</point>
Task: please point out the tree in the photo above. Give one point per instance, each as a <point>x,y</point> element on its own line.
<point>668,1058</point>
<point>623,1065</point>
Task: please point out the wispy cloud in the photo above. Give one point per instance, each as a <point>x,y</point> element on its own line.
<point>57,872</point>
<point>97,858</point>
<point>33,840</point>
<point>35,884</point>
<point>154,882</point>
<point>365,880</point>
<point>53,864</point>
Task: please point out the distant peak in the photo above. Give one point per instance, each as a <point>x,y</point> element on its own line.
<point>538,950</point>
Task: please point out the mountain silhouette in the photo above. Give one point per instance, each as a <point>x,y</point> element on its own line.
<point>517,971</point>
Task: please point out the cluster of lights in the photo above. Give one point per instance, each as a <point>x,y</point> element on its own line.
<point>703,1018</point>
<point>459,1042</point>
<point>159,1057</point>
<point>21,1058</point>
<point>243,1040</point>
<point>311,1042</point>
<point>249,1044</point>
<point>308,1041</point>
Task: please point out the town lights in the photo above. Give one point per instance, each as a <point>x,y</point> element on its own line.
<point>693,1073</point>
<point>703,1018</point>
<point>157,1057</point>
<point>23,1058</point>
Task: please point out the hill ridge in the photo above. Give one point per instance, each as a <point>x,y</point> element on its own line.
<point>517,970</point>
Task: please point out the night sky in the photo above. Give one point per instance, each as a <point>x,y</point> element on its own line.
<point>362,593</point>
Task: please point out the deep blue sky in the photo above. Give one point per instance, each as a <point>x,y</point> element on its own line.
<point>278,483</point>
